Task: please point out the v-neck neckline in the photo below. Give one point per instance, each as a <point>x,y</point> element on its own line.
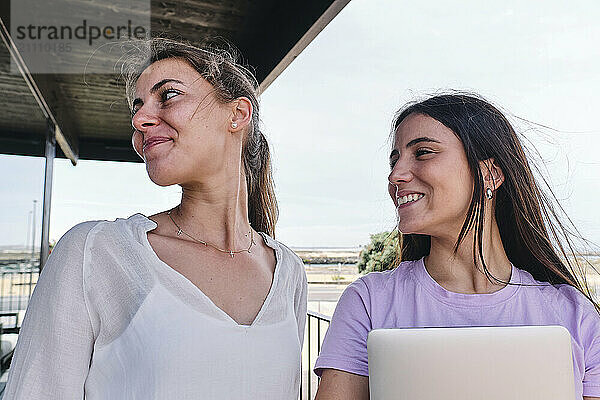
<point>149,225</point>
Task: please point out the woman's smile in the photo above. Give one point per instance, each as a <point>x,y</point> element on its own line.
<point>408,200</point>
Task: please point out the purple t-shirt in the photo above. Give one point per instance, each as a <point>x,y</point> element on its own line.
<point>408,297</point>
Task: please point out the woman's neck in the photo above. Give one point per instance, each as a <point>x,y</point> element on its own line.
<point>458,273</point>
<point>216,212</point>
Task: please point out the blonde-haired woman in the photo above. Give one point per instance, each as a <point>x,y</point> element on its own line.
<point>197,302</point>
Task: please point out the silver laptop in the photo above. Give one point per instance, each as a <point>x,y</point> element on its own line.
<point>501,363</point>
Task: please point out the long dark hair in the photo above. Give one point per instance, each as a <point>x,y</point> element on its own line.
<point>230,80</point>
<point>532,233</point>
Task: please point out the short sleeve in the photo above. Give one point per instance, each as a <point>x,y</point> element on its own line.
<point>300,303</point>
<point>345,344</point>
<point>584,321</point>
<point>53,352</point>
<point>590,331</point>
<point>591,379</point>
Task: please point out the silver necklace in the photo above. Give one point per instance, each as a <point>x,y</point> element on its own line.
<point>230,252</point>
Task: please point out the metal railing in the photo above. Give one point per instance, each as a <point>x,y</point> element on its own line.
<point>16,288</point>
<point>316,327</point>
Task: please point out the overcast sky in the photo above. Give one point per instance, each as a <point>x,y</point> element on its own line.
<point>328,114</point>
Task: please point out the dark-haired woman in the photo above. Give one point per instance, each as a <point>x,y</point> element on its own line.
<point>198,302</point>
<point>472,219</point>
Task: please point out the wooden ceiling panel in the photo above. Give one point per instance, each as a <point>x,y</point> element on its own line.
<point>221,16</point>
<point>19,112</point>
<point>92,109</point>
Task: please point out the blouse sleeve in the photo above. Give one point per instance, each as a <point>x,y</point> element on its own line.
<point>345,344</point>
<point>53,352</point>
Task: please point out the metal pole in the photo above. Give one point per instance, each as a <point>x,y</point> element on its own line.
<point>30,279</point>
<point>28,228</point>
<point>15,55</point>
<point>50,153</point>
<point>318,344</point>
<point>33,232</point>
<point>2,284</point>
<point>10,293</point>
<point>20,289</point>
<point>309,363</point>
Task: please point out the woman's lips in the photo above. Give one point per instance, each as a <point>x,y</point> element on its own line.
<point>155,141</point>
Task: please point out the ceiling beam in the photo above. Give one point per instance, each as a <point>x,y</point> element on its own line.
<point>107,150</point>
<point>282,38</point>
<point>66,141</point>
<point>22,143</point>
<point>33,144</point>
<point>58,104</point>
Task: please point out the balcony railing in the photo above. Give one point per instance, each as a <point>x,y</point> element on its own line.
<point>16,288</point>
<point>316,326</point>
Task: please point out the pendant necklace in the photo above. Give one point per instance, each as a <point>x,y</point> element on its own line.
<point>230,252</point>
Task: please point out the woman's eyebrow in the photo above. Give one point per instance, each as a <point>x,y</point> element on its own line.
<point>413,142</point>
<point>159,84</point>
<point>419,140</point>
<point>154,89</point>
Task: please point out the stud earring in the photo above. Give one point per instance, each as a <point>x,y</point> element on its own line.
<point>488,193</point>
<point>234,125</point>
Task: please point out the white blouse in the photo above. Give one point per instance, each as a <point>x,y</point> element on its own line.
<point>109,320</point>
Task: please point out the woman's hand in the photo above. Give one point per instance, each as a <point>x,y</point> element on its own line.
<point>340,385</point>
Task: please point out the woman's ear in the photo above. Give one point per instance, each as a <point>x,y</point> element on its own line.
<point>492,174</point>
<point>241,114</point>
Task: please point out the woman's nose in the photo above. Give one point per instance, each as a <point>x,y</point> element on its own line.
<point>400,173</point>
<point>143,119</point>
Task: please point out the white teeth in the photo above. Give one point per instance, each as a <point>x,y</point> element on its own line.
<point>410,197</point>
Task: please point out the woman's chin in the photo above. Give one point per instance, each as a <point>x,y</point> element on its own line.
<point>408,228</point>
<point>163,183</point>
<point>161,178</point>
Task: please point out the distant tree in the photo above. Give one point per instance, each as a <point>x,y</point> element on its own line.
<point>380,254</point>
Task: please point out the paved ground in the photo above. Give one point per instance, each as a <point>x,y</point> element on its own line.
<point>322,298</point>
<point>319,292</point>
